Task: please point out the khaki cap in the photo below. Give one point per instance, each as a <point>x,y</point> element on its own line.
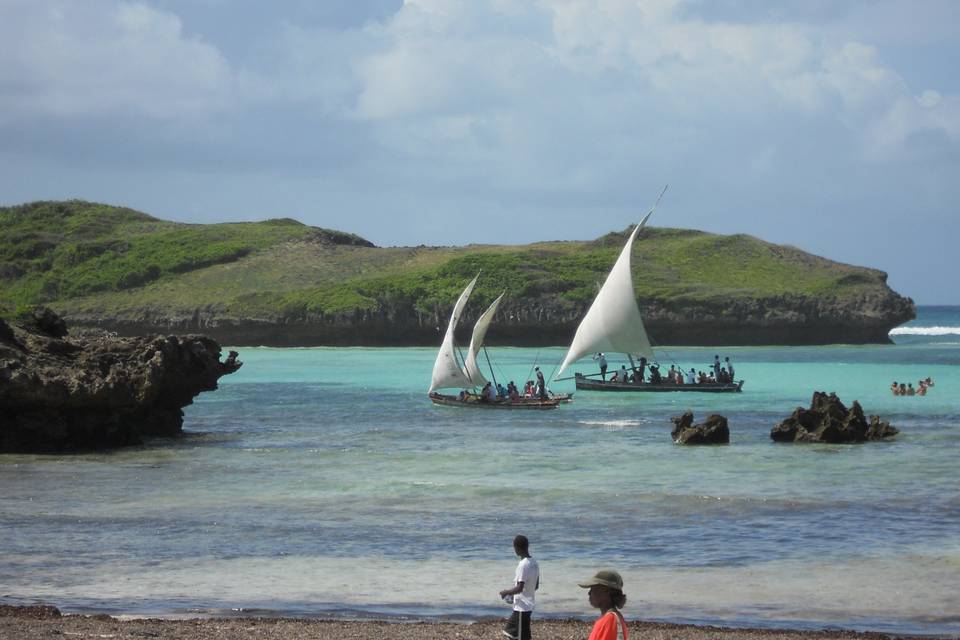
<point>605,578</point>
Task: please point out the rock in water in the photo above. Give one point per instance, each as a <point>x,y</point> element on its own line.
<point>828,420</point>
<point>97,390</point>
<point>713,431</point>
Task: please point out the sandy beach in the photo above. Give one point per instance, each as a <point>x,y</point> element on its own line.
<point>36,622</point>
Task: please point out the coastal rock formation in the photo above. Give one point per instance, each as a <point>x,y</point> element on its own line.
<point>828,420</point>
<point>537,321</point>
<point>281,283</point>
<point>96,390</point>
<point>713,431</point>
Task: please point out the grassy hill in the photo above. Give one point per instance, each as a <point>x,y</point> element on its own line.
<point>99,264</point>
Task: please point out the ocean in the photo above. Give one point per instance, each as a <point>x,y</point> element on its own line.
<point>322,482</point>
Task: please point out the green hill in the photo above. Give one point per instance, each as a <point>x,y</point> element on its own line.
<point>282,282</point>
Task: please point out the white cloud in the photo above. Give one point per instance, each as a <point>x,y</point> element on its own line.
<point>430,61</point>
<point>105,58</point>
<point>929,112</point>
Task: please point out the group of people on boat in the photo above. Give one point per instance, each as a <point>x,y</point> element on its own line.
<point>719,372</point>
<point>906,388</point>
<point>490,393</point>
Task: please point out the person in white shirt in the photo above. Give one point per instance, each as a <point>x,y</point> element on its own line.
<point>526,581</point>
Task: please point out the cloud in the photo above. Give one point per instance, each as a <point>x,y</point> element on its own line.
<point>103,58</point>
<point>909,116</point>
<point>658,54</point>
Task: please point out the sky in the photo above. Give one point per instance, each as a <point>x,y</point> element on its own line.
<point>830,126</point>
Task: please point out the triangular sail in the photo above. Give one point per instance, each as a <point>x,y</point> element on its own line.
<point>613,321</point>
<point>476,342</point>
<point>446,370</point>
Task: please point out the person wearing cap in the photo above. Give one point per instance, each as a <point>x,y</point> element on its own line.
<point>606,594</point>
<point>526,581</point>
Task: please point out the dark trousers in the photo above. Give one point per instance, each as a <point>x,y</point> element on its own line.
<point>518,625</point>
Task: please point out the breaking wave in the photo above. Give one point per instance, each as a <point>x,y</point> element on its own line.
<point>925,331</point>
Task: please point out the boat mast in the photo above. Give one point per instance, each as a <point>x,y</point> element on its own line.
<point>492,374</point>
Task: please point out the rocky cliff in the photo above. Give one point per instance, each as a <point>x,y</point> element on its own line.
<point>545,321</point>
<point>95,390</point>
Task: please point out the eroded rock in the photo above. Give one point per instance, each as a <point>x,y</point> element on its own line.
<point>712,431</point>
<point>828,420</point>
<point>98,390</point>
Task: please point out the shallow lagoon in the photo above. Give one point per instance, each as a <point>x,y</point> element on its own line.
<point>323,480</point>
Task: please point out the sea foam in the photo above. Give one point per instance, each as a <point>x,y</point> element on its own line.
<point>925,331</point>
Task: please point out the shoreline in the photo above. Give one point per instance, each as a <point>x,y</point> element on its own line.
<point>33,622</point>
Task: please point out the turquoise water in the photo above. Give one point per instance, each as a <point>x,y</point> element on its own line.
<point>323,482</point>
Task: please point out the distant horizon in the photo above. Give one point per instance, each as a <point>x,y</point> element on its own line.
<point>832,127</point>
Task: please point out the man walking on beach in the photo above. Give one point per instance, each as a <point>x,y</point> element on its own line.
<point>526,581</point>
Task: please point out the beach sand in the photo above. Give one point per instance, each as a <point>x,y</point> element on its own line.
<point>36,622</point>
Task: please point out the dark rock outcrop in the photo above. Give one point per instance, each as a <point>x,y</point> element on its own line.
<point>828,420</point>
<point>44,321</point>
<point>30,611</point>
<point>713,431</point>
<point>97,390</point>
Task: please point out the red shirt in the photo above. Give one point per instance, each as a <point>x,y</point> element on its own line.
<point>605,628</point>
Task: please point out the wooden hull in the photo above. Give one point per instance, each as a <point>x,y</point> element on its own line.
<point>474,402</point>
<point>586,384</point>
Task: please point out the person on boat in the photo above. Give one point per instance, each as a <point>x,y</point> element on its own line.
<point>929,382</point>
<point>672,375</point>
<point>903,389</point>
<point>692,376</point>
<point>541,384</point>
<point>606,593</point>
<point>716,367</point>
<point>642,372</point>
<point>615,376</point>
<point>910,390</point>
<point>894,388</point>
<point>724,376</point>
<point>922,388</point>
<point>463,395</point>
<point>501,392</point>
<point>730,369</point>
<point>624,374</point>
<point>655,377</point>
<point>602,361</point>
<point>487,393</point>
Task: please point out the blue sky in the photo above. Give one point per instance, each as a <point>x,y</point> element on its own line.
<point>831,126</point>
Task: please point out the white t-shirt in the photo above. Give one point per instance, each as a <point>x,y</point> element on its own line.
<point>528,572</point>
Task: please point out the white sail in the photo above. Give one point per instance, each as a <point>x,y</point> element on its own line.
<point>446,370</point>
<point>476,342</point>
<point>613,321</point>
